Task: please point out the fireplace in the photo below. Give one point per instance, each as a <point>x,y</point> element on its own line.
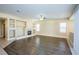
<point>29,32</point>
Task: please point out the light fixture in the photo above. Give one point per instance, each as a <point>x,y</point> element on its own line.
<point>42,17</point>
<point>18,10</point>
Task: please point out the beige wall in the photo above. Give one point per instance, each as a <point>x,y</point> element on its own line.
<point>48,27</point>
<point>71,26</point>
<point>51,28</point>
<point>70,38</point>
<point>9,16</point>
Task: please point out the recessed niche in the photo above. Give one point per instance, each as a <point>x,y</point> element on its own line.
<point>12,23</point>
<point>12,33</point>
<point>20,28</point>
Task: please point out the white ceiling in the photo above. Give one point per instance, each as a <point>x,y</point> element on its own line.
<point>33,11</point>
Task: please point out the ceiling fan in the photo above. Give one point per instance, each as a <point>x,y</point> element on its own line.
<point>42,17</point>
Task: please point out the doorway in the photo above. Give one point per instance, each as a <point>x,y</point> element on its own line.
<point>2,28</point>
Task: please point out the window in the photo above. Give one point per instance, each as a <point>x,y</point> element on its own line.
<point>37,27</point>
<point>63,27</point>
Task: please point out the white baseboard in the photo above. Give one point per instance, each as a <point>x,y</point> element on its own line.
<point>72,49</point>
<point>31,35</point>
<point>20,37</point>
<point>25,36</point>
<point>53,35</point>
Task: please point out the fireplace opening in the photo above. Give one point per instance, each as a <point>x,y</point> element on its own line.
<point>29,32</point>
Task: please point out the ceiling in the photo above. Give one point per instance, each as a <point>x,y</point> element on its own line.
<point>33,11</point>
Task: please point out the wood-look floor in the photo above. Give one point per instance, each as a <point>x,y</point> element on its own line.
<point>3,42</point>
<point>39,45</point>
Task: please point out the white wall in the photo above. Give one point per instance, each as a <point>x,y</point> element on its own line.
<point>75,17</point>
<point>76,33</point>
